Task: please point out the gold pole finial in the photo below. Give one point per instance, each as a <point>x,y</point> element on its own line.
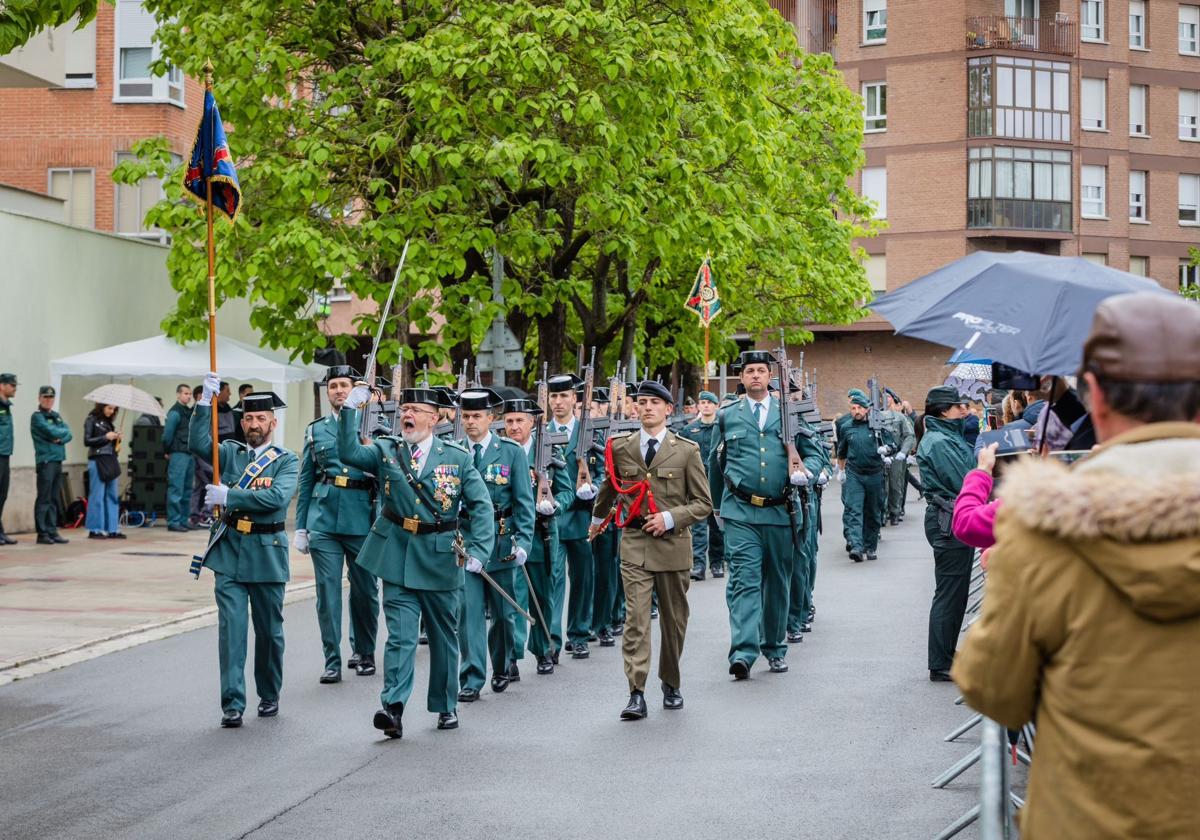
<point>208,71</point>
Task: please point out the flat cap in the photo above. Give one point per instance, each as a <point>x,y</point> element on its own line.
<point>710,396</point>
<point>8,379</point>
<point>1145,337</point>
<point>858,398</point>
<point>650,388</point>
<point>944,395</point>
<point>46,391</point>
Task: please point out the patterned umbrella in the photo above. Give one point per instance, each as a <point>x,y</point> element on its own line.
<point>127,397</point>
<point>973,371</point>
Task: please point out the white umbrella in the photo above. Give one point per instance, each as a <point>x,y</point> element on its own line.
<point>973,371</point>
<point>129,398</point>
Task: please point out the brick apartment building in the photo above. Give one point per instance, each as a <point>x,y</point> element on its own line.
<point>1065,127</point>
<point>65,141</point>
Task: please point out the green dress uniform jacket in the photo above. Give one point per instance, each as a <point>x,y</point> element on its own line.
<point>51,434</point>
<point>704,434</point>
<point>6,429</point>
<point>863,491</point>
<point>326,502</point>
<point>574,519</point>
<point>708,548</point>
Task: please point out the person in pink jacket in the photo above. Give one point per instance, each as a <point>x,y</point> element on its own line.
<point>974,515</point>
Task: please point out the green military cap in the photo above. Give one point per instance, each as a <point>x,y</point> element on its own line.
<point>46,391</point>
<point>856,392</point>
<point>859,398</point>
<point>8,379</point>
<point>943,395</point>
<point>710,396</point>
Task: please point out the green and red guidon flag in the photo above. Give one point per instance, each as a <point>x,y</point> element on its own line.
<point>704,299</point>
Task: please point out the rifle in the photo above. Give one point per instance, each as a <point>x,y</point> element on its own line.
<point>586,425</point>
<point>462,386</point>
<point>875,412</point>
<point>544,458</point>
<point>787,430</point>
<point>364,421</point>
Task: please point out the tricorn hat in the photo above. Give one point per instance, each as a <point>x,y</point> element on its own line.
<point>754,357</point>
<point>261,401</point>
<point>340,372</point>
<point>479,399</point>
<point>422,396</point>
<point>563,382</point>
<point>521,405</point>
<point>600,395</point>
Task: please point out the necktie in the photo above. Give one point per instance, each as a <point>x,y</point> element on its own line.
<point>651,448</point>
<point>758,414</point>
<point>478,454</point>
<point>415,457</point>
<point>561,428</point>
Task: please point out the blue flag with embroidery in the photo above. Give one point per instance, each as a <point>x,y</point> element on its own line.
<point>212,163</point>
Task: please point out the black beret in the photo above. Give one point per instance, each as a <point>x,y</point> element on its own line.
<point>650,388</point>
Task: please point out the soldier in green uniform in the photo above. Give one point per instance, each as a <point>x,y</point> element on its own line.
<point>604,550</point>
<point>426,483</point>
<point>573,521</point>
<point>813,454</point>
<point>860,453</point>
<point>749,474</point>
<point>334,512</point>
<point>505,471</point>
<point>8,389</point>
<point>247,548</point>
<point>944,458</point>
<point>181,468</point>
<point>905,436</point>
<point>51,434</point>
<point>708,549</point>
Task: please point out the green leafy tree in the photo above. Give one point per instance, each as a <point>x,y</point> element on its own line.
<point>1192,292</point>
<point>603,147</point>
<point>20,20</point>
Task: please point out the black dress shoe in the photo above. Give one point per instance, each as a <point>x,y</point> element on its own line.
<point>352,662</point>
<point>387,720</point>
<point>499,683</point>
<point>554,657</point>
<point>606,638</point>
<point>231,719</point>
<point>812,614</point>
<point>849,548</point>
<point>179,529</point>
<point>268,708</point>
<point>940,676</point>
<point>569,647</point>
<point>593,636</point>
<point>718,571</point>
<point>544,666</point>
<point>672,699</point>
<point>871,555</point>
<point>331,675</point>
<point>893,521</point>
<point>795,638</point>
<point>778,665</point>
<point>636,708</point>
<point>94,535</point>
<point>468,695</point>
<point>581,651</point>
<point>5,539</point>
<point>41,540</point>
<point>856,556</point>
<point>514,675</point>
<point>618,628</point>
<point>366,666</point>
<point>697,573</point>
<point>739,669</point>
<point>423,639</point>
<point>653,613</point>
<point>447,720</point>
<point>59,539</point>
<point>116,535</point>
<point>806,627</point>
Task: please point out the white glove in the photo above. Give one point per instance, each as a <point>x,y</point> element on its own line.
<point>300,540</point>
<point>901,457</point>
<point>883,450</point>
<point>841,476</point>
<point>799,478</point>
<point>520,555</point>
<point>887,462</point>
<point>211,386</point>
<point>215,495</point>
<point>546,507</point>
<point>822,479</point>
<point>586,493</point>
<point>474,566</point>
<point>359,396</point>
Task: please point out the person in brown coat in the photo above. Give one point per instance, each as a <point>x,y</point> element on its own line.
<point>1091,623</point>
<point>657,483</point>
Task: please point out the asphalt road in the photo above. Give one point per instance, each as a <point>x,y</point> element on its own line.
<point>844,746</point>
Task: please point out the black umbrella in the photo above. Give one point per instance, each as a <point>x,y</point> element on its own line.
<point>1030,311</point>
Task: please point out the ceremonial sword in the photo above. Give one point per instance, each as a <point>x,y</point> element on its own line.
<point>461,551</point>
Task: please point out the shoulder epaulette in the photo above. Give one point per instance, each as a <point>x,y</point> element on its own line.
<point>453,444</point>
<point>687,441</point>
<point>507,440</point>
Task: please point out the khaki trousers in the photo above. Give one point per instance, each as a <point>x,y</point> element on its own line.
<point>640,587</point>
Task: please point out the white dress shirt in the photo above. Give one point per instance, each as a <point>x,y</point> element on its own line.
<point>423,448</point>
<point>485,443</point>
<point>668,520</point>
<point>765,402</point>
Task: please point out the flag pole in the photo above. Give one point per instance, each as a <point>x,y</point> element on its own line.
<point>212,290</point>
<point>706,357</point>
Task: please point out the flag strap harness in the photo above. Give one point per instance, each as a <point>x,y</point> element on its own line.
<point>639,491</point>
<point>253,470</point>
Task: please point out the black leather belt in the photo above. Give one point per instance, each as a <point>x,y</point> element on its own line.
<point>347,482</point>
<point>500,514</point>
<point>750,498</point>
<point>415,526</point>
<point>248,526</point>
<point>636,523</point>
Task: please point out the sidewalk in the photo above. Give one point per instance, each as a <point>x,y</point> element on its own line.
<point>58,599</point>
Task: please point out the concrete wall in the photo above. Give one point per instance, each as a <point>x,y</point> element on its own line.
<point>69,290</point>
<point>30,203</point>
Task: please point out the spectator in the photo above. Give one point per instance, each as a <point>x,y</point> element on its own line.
<point>149,419</point>
<point>199,517</point>
<point>227,427</point>
<point>8,389</point>
<point>974,509</point>
<point>101,437</point>
<point>181,467</point>
<point>243,389</point>
<point>50,438</point>
<point>1092,613</point>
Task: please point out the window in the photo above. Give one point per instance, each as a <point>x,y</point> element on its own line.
<point>874,21</point>
<point>1019,98</point>
<point>875,106</point>
<point>874,188</point>
<point>1189,276</point>
<point>134,200</point>
<point>1137,24</point>
<point>1091,104</point>
<point>135,53</point>
<point>77,188</point>
<point>79,61</point>
<point>1189,30</point>
<point>876,266</point>
<point>1138,94</point>
<point>1019,188</point>
<point>1137,194</point>
<point>1189,114</point>
<point>1139,266</point>
<point>1098,259</point>
<point>1091,16</point>
<point>1091,198</point>
<point>1189,199</point>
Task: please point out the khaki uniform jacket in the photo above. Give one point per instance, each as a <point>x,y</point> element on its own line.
<point>680,486</point>
<point>1091,624</point>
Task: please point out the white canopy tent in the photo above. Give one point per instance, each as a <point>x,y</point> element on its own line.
<point>163,357</point>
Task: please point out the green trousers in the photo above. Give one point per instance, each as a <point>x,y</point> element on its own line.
<point>581,568</point>
<point>608,573</point>
<point>897,487</point>
<point>477,643</point>
<point>804,571</point>
<point>403,610</point>
<point>330,554</point>
<point>520,625</point>
<point>952,562</point>
<point>265,604</point>
<point>181,469</point>
<point>759,560</point>
<point>861,494</point>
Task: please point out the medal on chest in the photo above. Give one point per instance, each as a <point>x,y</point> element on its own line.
<point>445,484</point>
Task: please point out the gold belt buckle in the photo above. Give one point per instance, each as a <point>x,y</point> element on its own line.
<point>244,526</point>
<point>411,524</point>
<point>341,481</point>
<point>758,501</point>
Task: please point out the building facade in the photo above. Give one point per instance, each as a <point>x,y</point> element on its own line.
<point>1066,127</point>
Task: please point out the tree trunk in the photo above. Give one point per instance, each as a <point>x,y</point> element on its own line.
<point>552,335</point>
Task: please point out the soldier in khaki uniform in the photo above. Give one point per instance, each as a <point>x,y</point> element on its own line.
<point>656,488</point>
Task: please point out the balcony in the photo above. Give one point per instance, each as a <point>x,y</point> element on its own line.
<point>1057,36</point>
<point>1018,188</point>
<point>1019,98</point>
<point>1018,214</point>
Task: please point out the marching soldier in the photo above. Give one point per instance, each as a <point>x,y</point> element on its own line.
<point>749,473</point>
<point>708,548</point>
<point>425,484</point>
<point>902,431</point>
<point>604,552</point>
<point>247,548</point>
<point>334,512</point>
<point>860,454</point>
<point>800,604</point>
<point>504,468</point>
<point>656,488</point>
